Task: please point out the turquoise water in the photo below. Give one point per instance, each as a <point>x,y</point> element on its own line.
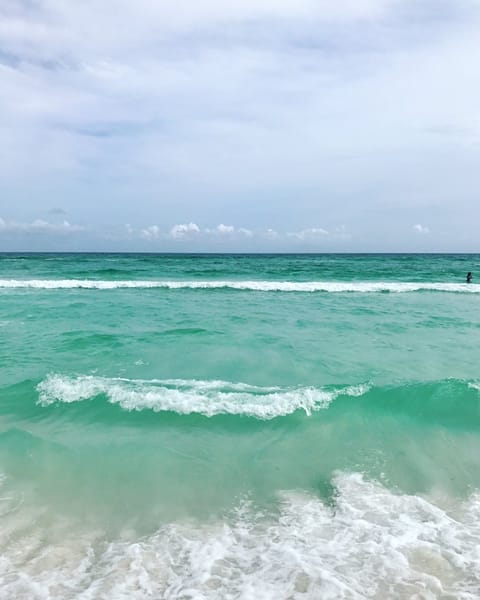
<point>239,426</point>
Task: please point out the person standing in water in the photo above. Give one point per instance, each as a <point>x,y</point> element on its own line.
<point>469,277</point>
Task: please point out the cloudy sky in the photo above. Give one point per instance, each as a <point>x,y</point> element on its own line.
<point>250,125</point>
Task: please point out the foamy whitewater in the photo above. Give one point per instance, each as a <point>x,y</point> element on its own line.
<point>185,397</point>
<point>200,427</point>
<point>260,286</point>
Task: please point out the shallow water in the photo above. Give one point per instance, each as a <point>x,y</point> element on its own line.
<point>188,426</point>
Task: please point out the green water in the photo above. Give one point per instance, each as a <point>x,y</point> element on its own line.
<point>143,392</point>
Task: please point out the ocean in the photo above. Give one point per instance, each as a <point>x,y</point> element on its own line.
<point>239,426</point>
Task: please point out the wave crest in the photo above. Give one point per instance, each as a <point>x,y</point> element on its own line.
<point>208,398</point>
<point>259,286</point>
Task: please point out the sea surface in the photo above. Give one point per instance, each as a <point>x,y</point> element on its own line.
<point>239,427</point>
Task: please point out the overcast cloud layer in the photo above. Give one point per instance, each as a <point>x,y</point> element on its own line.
<point>281,125</point>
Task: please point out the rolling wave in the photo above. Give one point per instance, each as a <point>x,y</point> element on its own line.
<point>453,402</point>
<point>208,398</point>
<point>252,285</point>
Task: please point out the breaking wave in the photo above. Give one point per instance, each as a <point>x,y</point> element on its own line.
<point>453,402</point>
<point>259,286</point>
<point>371,543</point>
<point>207,398</point>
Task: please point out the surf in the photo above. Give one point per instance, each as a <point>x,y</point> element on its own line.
<point>247,285</point>
<point>453,402</point>
<point>208,398</point>
<point>368,542</point>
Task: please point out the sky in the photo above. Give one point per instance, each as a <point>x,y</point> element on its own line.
<point>241,126</point>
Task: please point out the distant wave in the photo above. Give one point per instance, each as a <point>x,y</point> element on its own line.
<point>260,286</point>
<point>208,398</point>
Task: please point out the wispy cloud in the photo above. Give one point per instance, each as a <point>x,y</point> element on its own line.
<point>308,234</point>
<point>38,226</point>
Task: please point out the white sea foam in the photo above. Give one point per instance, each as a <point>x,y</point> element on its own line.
<point>260,286</point>
<point>191,396</point>
<point>371,544</point>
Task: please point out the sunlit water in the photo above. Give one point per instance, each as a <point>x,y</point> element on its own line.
<point>220,427</point>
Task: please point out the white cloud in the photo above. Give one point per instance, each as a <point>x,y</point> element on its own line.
<point>56,27</point>
<point>310,233</point>
<point>421,228</point>
<point>183,230</point>
<point>225,229</point>
<point>188,231</point>
<point>228,231</point>
<point>150,233</point>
